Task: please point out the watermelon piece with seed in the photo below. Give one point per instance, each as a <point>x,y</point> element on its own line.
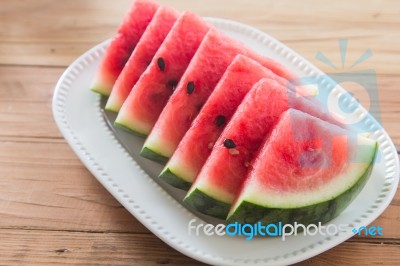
<point>208,65</point>
<point>148,97</point>
<point>219,180</point>
<point>141,57</point>
<point>198,141</point>
<point>307,172</point>
<point>117,53</point>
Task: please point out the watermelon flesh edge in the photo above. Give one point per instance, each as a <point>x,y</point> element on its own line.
<point>123,43</point>
<point>150,94</point>
<point>207,67</point>
<point>323,194</point>
<point>225,169</point>
<point>142,55</point>
<point>196,145</point>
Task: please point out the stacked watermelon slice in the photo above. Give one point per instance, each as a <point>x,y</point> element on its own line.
<point>229,124</point>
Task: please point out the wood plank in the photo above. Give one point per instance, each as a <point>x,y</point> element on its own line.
<point>25,102</point>
<point>36,34</point>
<point>388,220</point>
<point>76,248</point>
<point>37,192</point>
<point>44,186</point>
<point>53,211</point>
<point>21,90</point>
<point>49,33</point>
<point>57,247</point>
<point>350,253</point>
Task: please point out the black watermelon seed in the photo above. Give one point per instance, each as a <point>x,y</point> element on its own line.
<point>161,63</point>
<point>173,83</point>
<point>230,144</point>
<point>190,87</point>
<point>220,120</point>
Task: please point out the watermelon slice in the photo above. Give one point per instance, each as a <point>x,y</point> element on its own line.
<point>117,54</point>
<point>209,63</point>
<point>196,145</point>
<point>148,97</point>
<point>307,172</point>
<point>141,57</point>
<point>219,180</point>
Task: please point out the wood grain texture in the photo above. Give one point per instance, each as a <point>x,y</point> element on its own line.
<point>53,211</point>
<point>35,179</point>
<point>44,186</point>
<point>72,248</point>
<point>25,101</point>
<point>57,33</point>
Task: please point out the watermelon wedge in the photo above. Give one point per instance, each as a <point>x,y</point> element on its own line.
<point>148,97</point>
<point>141,57</point>
<point>197,143</point>
<point>307,172</point>
<point>208,65</point>
<point>117,54</point>
<point>219,180</point>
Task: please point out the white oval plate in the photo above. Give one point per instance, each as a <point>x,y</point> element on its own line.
<point>133,180</point>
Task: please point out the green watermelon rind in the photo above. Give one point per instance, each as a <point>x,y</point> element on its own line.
<point>168,176</point>
<point>100,90</point>
<point>208,204</point>
<point>152,155</point>
<point>203,203</point>
<point>125,128</point>
<point>249,212</point>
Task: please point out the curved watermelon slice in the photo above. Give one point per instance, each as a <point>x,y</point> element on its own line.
<point>307,172</point>
<point>141,57</point>
<point>148,97</point>
<point>117,54</point>
<point>208,65</point>
<point>197,143</point>
<point>219,180</point>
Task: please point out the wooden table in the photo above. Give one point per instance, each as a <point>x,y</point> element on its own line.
<point>53,211</point>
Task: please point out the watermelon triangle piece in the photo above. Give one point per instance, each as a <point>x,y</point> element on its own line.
<point>208,65</point>
<point>218,182</point>
<point>141,57</point>
<point>307,172</point>
<point>198,141</point>
<point>123,43</point>
<point>148,97</point>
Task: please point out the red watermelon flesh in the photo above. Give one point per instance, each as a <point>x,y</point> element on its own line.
<point>141,57</point>
<point>226,167</point>
<point>148,97</point>
<point>117,54</point>
<point>307,171</point>
<point>311,151</point>
<point>209,63</point>
<point>197,143</point>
